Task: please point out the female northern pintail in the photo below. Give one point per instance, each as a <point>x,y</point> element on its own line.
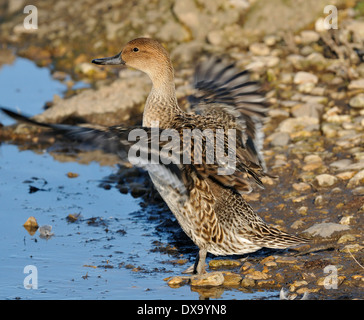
<point>208,205</point>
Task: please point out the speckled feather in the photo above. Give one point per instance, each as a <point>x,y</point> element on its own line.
<point>208,206</point>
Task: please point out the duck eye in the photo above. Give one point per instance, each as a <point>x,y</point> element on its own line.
<point>135,49</point>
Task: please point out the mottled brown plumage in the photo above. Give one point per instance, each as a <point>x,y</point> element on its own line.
<point>208,206</point>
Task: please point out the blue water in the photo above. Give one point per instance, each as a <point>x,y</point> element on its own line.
<point>81,260</point>
<point>26,87</point>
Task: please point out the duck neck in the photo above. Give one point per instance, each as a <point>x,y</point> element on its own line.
<point>161,104</point>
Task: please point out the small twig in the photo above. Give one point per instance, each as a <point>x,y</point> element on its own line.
<point>355,260</point>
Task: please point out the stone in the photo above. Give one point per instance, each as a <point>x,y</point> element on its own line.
<point>326,229</point>
<point>325,180</point>
<point>356,84</point>
<point>178,281</point>
<point>297,224</point>
<point>279,139</point>
<point>309,36</point>
<point>212,279</point>
<point>340,164</point>
<point>357,180</point>
<point>232,279</point>
<point>247,282</point>
<point>89,104</point>
<point>302,77</point>
<point>296,124</point>
<point>219,263</point>
<point>259,49</point>
<point>346,238</point>
<point>301,186</point>
<point>313,110</point>
<point>352,248</point>
<point>357,101</point>
<point>257,275</point>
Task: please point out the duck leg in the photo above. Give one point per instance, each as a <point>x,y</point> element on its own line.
<point>200,263</point>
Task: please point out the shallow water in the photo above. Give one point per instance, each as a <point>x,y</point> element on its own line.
<point>108,253</point>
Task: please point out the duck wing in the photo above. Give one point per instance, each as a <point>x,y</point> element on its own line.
<point>224,92</point>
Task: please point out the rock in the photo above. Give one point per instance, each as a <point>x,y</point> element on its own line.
<point>357,101</point>
<point>352,248</point>
<point>178,281</point>
<point>247,282</point>
<point>232,279</point>
<point>346,238</point>
<point>279,139</point>
<point>296,124</point>
<point>302,77</point>
<point>216,263</point>
<point>297,224</point>
<point>357,180</point>
<point>301,186</point>
<point>289,260</point>
<point>270,40</point>
<point>341,164</point>
<point>257,275</point>
<point>319,200</point>
<point>212,279</point>
<point>95,105</point>
<point>325,180</point>
<point>326,229</point>
<point>259,49</point>
<point>302,210</point>
<point>309,36</point>
<point>45,232</point>
<point>356,84</point>
<point>87,69</point>
<point>313,110</point>
<point>359,191</point>
<point>31,225</point>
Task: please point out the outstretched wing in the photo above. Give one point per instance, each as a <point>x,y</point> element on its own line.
<point>132,144</point>
<point>228,94</point>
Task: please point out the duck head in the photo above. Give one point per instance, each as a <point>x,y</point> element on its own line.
<point>146,55</point>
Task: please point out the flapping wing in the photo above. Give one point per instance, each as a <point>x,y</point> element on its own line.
<point>228,94</point>
<point>133,144</point>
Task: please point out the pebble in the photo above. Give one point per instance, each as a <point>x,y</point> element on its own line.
<point>325,229</point>
<point>301,186</point>
<point>297,224</point>
<point>296,284</point>
<point>259,49</point>
<point>346,220</point>
<point>346,238</point>
<point>359,191</point>
<point>296,124</point>
<point>356,84</point>
<point>212,279</point>
<point>341,164</point>
<point>352,248</point>
<point>216,263</point>
<point>247,282</point>
<point>319,200</point>
<point>309,36</point>
<point>308,110</point>
<point>288,260</point>
<point>178,281</point>
<point>232,279</point>
<point>302,77</point>
<point>325,180</point>
<point>279,139</point>
<point>257,275</point>
<point>357,101</point>
<point>356,180</point>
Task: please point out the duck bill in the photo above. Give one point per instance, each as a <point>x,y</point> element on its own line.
<point>115,60</point>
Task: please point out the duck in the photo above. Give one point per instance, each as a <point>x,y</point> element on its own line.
<point>206,197</point>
